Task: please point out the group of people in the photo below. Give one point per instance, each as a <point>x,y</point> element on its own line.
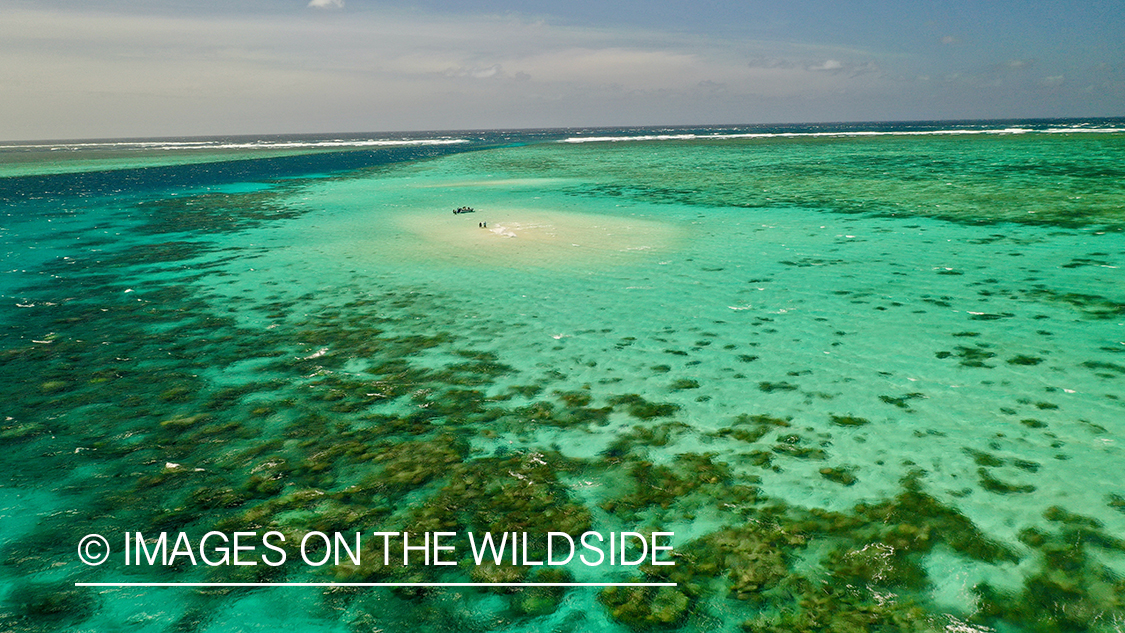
<point>463,210</point>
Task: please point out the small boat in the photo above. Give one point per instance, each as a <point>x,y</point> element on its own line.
<point>464,210</point>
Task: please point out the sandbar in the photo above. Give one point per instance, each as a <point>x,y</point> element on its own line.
<point>533,236</point>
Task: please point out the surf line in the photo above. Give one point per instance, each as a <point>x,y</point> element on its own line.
<point>376,584</point>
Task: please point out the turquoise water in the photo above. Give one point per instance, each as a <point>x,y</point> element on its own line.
<point>870,378</point>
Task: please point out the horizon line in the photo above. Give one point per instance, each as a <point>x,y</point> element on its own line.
<point>559,127</point>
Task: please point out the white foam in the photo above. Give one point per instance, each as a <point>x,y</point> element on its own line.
<point>833,134</point>
<point>220,145</point>
<point>503,231</point>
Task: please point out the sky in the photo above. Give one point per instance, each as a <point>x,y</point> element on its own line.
<point>73,69</point>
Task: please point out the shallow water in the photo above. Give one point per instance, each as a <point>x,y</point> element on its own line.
<point>866,380</point>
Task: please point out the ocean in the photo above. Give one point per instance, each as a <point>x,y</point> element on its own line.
<point>838,377</point>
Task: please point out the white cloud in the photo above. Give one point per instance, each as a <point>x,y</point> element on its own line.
<point>828,65</point>
<point>326,4</point>
<point>97,75</point>
<point>495,71</point>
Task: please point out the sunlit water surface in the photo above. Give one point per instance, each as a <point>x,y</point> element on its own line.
<point>870,378</point>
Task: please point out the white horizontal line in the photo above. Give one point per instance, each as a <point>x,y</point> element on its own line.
<point>375,584</point>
